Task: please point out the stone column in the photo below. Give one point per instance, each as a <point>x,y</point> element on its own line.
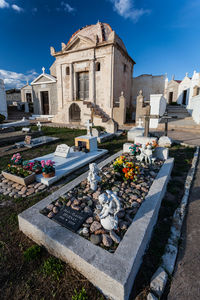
<point>92,87</point>
<point>71,82</point>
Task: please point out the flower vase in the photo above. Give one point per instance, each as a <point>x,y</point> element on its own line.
<point>48,175</point>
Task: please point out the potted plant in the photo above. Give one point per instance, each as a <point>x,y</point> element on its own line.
<point>19,174</point>
<point>48,169</point>
<point>37,167</point>
<point>16,159</point>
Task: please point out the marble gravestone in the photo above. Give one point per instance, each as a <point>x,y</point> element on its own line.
<point>62,150</point>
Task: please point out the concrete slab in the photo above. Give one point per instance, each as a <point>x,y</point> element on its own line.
<point>112,273</point>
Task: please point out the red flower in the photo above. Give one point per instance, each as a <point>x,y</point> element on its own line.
<point>124,170</point>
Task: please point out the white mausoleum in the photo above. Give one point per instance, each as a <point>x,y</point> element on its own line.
<point>3,102</point>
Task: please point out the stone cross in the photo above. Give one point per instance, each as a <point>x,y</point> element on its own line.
<point>89,127</point>
<point>39,125</point>
<point>147,121</point>
<point>140,122</point>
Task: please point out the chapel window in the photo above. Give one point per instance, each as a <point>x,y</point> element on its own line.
<point>67,71</point>
<point>125,68</point>
<point>98,66</point>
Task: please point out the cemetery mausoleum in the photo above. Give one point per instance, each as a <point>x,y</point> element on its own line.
<point>90,79</point>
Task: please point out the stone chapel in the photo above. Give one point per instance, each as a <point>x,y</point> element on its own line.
<point>90,78</point>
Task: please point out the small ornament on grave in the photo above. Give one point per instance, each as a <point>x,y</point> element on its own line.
<point>39,126</point>
<point>27,140</point>
<point>93,177</point>
<point>110,205</point>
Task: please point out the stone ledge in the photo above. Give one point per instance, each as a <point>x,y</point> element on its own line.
<point>113,274</point>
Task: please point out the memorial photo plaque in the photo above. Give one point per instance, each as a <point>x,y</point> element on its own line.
<point>27,139</point>
<point>70,218</point>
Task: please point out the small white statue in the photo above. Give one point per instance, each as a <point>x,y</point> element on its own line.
<point>110,204</point>
<point>142,155</point>
<point>93,177</point>
<point>39,125</point>
<point>148,154</point>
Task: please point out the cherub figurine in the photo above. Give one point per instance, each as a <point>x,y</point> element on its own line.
<point>148,154</point>
<point>93,177</point>
<point>110,207</point>
<point>142,155</point>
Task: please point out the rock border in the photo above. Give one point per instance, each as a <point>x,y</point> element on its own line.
<point>160,277</point>
<point>113,274</point>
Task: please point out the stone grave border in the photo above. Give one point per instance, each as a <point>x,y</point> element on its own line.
<point>112,273</point>
<point>160,277</point>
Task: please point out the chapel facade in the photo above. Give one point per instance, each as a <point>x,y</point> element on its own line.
<point>92,77</point>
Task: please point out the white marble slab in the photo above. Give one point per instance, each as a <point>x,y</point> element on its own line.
<point>65,166</point>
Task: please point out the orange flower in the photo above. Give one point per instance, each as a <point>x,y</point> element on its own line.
<point>124,170</point>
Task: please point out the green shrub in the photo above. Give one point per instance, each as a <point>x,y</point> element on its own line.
<point>32,253</point>
<point>82,295</point>
<point>53,267</point>
<point>2,118</point>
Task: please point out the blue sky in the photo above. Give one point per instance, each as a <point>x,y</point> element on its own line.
<point>161,36</point>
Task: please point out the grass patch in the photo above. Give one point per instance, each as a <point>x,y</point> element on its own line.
<point>82,295</point>
<point>32,253</point>
<point>53,267</point>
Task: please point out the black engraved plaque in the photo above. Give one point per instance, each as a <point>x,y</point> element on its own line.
<point>70,218</point>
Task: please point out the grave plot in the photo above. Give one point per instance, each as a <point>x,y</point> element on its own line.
<point>131,184</point>
<point>69,223</point>
<point>36,142</point>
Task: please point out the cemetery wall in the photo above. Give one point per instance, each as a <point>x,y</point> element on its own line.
<point>149,84</point>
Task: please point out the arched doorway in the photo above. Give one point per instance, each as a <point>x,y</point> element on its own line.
<point>74,113</point>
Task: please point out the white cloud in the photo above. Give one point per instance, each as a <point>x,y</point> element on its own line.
<point>4,4</point>
<point>67,7</point>
<point>16,80</point>
<point>126,9</point>
<point>17,8</point>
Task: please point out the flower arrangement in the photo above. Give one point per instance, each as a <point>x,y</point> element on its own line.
<point>48,167</point>
<point>16,159</point>
<point>153,145</point>
<point>27,165</point>
<point>18,171</point>
<point>118,163</point>
<point>135,149</point>
<point>37,168</point>
<point>127,169</point>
